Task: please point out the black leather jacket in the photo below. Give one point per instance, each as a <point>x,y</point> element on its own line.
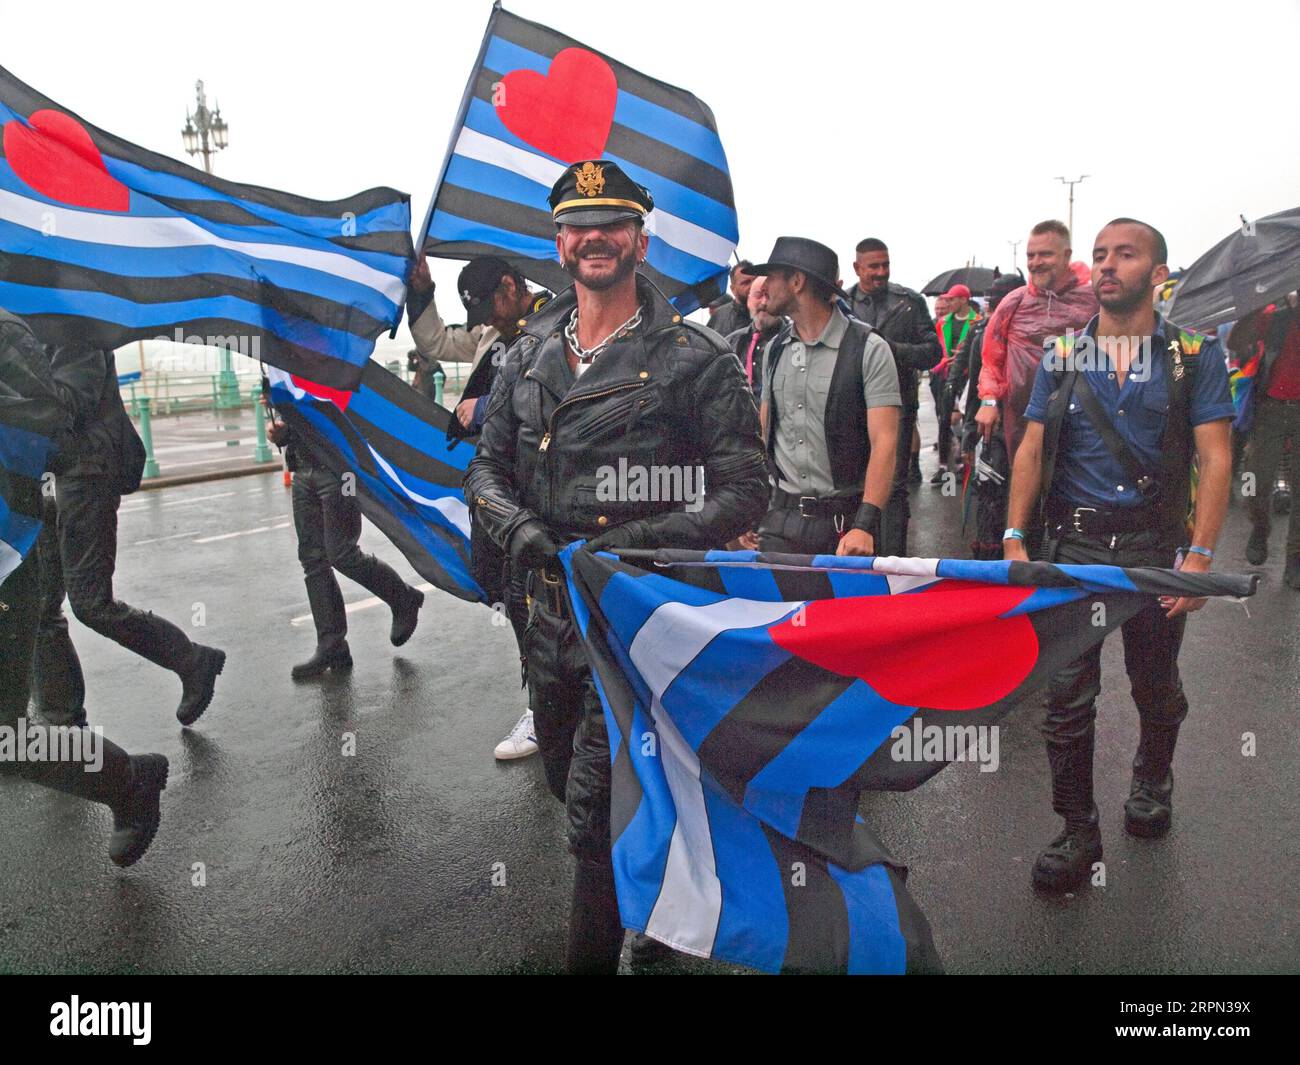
<point>902,318</point>
<point>668,395</point>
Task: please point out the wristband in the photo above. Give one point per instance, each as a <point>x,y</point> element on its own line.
<point>867,519</point>
<point>1194,550</point>
<point>1014,534</point>
<point>988,402</point>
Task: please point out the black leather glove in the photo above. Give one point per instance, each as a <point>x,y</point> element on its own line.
<point>629,534</point>
<point>531,546</point>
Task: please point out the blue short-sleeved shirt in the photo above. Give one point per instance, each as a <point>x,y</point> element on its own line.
<point>1087,474</point>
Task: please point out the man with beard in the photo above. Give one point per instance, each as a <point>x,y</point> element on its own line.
<point>1057,299</point>
<point>901,317</point>
<point>1110,432</point>
<point>748,343</point>
<point>734,314</point>
<point>607,371</point>
<point>830,411</point>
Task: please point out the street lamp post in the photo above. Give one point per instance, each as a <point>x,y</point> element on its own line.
<point>1014,245</point>
<point>1076,181</point>
<point>206,133</point>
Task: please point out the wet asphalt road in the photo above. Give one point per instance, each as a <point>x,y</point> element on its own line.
<point>385,860</point>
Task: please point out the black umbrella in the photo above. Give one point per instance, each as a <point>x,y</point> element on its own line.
<point>975,278</point>
<point>1256,266</point>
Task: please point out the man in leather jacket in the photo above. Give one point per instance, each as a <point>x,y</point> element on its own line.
<point>902,318</point>
<point>102,461</point>
<point>607,371</point>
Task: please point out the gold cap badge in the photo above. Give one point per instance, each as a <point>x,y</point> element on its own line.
<point>590,179</point>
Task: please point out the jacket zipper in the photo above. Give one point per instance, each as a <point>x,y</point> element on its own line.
<point>550,423</point>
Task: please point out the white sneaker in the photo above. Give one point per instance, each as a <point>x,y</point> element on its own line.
<point>521,742</point>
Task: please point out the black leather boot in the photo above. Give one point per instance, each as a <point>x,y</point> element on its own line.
<point>337,657</point>
<point>199,682</point>
<point>1149,810</point>
<point>406,613</point>
<point>595,928</point>
<point>1068,859</point>
<point>137,816</point>
<point>1257,545</point>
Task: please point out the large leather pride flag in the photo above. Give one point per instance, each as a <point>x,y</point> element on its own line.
<point>102,242</point>
<point>752,698</point>
<point>407,474</point>
<point>537,101</point>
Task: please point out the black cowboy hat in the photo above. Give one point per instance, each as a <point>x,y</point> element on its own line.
<point>806,256</point>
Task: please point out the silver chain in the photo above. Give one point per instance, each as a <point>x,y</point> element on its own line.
<point>588,354</point>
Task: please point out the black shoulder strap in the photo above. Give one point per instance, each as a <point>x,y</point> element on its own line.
<point>1146,484</point>
<point>1052,422</point>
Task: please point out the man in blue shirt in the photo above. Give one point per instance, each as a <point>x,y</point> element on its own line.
<point>1120,496</point>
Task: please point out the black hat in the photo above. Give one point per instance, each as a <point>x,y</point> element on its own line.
<point>596,192</point>
<point>1004,285</point>
<point>477,284</point>
<point>806,256</point>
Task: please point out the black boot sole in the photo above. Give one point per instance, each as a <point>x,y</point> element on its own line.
<point>215,665</point>
<point>1147,828</point>
<point>153,768</point>
<point>339,665</point>
<point>1057,884</point>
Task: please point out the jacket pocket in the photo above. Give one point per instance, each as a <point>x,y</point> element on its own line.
<point>616,418</point>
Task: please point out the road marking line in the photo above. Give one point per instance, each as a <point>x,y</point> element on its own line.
<point>242,532</point>
<point>160,539</point>
<point>174,502</point>
<point>360,604</point>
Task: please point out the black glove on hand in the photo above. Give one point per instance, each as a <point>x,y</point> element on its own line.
<point>531,546</point>
<point>629,534</point>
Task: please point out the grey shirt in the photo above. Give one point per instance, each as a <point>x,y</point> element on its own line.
<point>797,394</point>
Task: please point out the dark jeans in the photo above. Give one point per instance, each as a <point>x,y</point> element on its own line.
<point>88,548</point>
<point>1151,644</point>
<point>19,617</point>
<point>328,523</point>
<point>1274,423</point>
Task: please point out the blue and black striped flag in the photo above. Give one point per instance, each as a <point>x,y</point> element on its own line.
<point>393,440</point>
<point>537,101</point>
<point>751,699</point>
<point>102,242</point>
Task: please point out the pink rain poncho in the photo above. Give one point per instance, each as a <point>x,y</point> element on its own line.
<point>1013,342</point>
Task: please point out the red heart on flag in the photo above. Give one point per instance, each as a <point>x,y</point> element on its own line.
<point>566,112</point>
<point>338,396</point>
<point>53,154</point>
<point>944,647</point>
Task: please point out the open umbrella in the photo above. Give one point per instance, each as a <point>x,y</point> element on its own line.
<point>975,278</point>
<point>1256,266</point>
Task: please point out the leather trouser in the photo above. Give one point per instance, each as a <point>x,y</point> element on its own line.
<point>328,524</point>
<point>88,547</point>
<point>58,684</point>
<point>784,530</point>
<point>19,618</point>
<point>569,723</point>
<point>897,511</point>
<point>1151,645</point>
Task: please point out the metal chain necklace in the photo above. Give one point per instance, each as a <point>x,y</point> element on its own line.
<point>586,355</point>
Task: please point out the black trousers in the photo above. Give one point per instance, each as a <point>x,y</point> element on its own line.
<point>897,511</point>
<point>88,550</point>
<point>328,523</point>
<point>1151,645</point>
<point>570,727</point>
<point>788,531</point>
<point>58,683</point>
<point>19,619</point>
<point>1275,422</point>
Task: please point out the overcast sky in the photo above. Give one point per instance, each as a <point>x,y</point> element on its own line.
<point>939,127</point>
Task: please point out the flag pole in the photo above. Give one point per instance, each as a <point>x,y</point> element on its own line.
<point>458,125</point>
